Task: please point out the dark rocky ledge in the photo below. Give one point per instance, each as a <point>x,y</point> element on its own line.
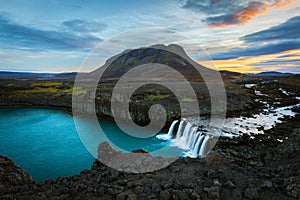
<point>244,168</point>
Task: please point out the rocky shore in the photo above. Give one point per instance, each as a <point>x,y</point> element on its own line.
<point>266,167</point>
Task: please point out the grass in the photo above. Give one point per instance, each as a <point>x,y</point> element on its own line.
<point>46,84</point>
<point>39,90</point>
<point>155,97</point>
<point>58,92</point>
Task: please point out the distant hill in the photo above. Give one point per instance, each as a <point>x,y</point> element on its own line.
<point>230,73</point>
<point>270,73</point>
<point>31,75</point>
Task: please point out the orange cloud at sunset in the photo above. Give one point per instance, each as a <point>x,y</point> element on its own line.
<point>255,8</point>
<point>250,64</point>
<point>246,14</point>
<point>218,25</point>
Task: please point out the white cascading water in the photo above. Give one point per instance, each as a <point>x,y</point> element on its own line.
<point>195,150</point>
<point>187,130</point>
<point>182,141</point>
<point>171,130</point>
<point>188,138</point>
<point>202,151</point>
<point>179,132</point>
<point>195,139</point>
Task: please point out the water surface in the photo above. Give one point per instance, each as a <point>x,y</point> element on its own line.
<point>45,142</point>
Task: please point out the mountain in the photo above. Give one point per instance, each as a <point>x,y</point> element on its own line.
<point>172,55</point>
<point>270,73</point>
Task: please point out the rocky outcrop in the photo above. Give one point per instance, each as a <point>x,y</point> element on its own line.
<point>12,178</point>
<point>137,161</point>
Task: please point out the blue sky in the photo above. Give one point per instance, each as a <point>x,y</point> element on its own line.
<point>56,36</point>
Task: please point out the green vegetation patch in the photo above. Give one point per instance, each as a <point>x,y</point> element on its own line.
<point>46,84</point>
<point>39,90</point>
<point>75,90</point>
<point>157,96</point>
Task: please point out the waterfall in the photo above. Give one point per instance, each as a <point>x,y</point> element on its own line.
<point>195,151</point>
<point>202,151</point>
<point>188,138</point>
<point>179,132</point>
<point>187,130</point>
<point>191,137</point>
<point>171,129</point>
<point>197,136</point>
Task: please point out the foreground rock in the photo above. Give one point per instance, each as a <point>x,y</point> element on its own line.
<point>245,168</point>
<point>137,161</point>
<point>12,178</point>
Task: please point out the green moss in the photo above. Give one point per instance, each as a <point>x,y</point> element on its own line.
<point>39,90</point>
<point>157,96</point>
<point>56,91</point>
<point>46,84</point>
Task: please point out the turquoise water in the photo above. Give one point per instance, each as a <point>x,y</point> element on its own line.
<point>45,143</point>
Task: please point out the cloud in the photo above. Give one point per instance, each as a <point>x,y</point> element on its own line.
<point>283,37</point>
<point>257,50</point>
<point>32,39</point>
<point>282,3</point>
<point>278,62</point>
<point>285,31</point>
<point>47,61</point>
<point>220,21</point>
<point>239,16</point>
<point>276,48</point>
<point>291,55</point>
<point>247,13</point>
<point>82,26</point>
<point>210,7</point>
<point>284,67</point>
<point>221,13</point>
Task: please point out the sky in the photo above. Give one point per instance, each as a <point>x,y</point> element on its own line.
<point>241,35</point>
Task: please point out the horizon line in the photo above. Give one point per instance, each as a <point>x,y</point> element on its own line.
<point>69,72</point>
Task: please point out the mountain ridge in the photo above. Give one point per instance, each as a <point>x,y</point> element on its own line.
<point>271,73</point>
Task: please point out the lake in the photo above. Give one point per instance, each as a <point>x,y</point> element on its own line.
<point>45,142</point>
